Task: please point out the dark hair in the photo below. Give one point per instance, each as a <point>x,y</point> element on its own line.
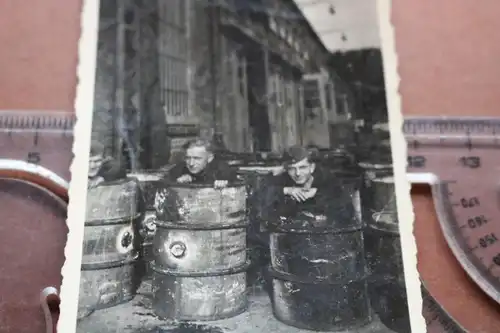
<point>295,154</point>
<point>199,142</point>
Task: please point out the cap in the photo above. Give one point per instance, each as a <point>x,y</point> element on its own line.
<point>295,154</point>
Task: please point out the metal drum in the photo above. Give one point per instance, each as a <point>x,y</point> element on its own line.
<point>352,182</point>
<point>200,252</point>
<point>376,166</point>
<point>256,176</point>
<point>384,256</point>
<point>337,159</point>
<point>148,181</point>
<point>110,254</point>
<point>319,274</point>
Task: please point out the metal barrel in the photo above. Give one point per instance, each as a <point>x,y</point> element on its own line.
<point>256,176</point>
<point>149,182</point>
<point>319,274</point>
<point>383,248</point>
<point>108,269</point>
<point>335,159</point>
<point>199,251</point>
<point>352,183</point>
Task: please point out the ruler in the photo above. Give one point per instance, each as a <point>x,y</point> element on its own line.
<point>35,156</point>
<point>459,158</point>
<point>436,318</point>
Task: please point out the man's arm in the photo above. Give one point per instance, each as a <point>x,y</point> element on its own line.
<point>174,173</point>
<point>112,170</point>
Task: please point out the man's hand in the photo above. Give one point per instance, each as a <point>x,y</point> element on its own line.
<point>296,193</point>
<point>310,193</point>
<point>185,179</point>
<point>220,183</point>
<point>300,194</point>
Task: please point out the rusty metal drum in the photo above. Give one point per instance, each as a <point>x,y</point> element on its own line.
<point>199,250</point>
<point>109,247</point>
<point>384,257</point>
<point>319,274</point>
<point>149,182</point>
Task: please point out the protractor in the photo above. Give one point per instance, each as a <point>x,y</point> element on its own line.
<point>458,158</point>
<point>35,156</point>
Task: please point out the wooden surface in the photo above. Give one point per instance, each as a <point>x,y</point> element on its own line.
<point>448,61</point>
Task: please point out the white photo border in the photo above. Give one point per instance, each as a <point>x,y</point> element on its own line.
<point>79,168</point>
<point>399,160</point>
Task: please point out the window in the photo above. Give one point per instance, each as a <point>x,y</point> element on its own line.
<point>342,104</point>
<point>173,50</point>
<point>312,97</point>
<point>328,95</point>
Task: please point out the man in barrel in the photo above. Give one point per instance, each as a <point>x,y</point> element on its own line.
<point>103,168</point>
<point>201,166</point>
<point>306,188</point>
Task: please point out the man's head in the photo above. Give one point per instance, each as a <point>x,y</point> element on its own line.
<point>299,165</point>
<point>96,159</point>
<point>198,153</point>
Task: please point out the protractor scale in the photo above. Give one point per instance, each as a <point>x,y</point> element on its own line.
<point>459,158</point>
<point>35,157</point>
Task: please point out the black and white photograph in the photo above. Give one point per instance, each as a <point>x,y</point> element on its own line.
<point>240,175</point>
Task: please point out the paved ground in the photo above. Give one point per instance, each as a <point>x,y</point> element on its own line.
<point>137,317</point>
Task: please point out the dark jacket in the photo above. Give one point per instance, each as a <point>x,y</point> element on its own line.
<point>215,170</point>
<point>332,199</point>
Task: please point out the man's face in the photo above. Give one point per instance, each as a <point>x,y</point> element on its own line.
<point>95,163</point>
<point>197,159</point>
<point>301,171</point>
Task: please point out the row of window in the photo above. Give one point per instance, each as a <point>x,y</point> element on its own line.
<point>173,56</point>
<point>287,32</point>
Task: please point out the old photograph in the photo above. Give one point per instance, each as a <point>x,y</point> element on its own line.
<point>240,175</point>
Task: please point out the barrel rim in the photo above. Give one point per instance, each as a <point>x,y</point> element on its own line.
<point>124,180</point>
<point>377,166</point>
<point>250,172</point>
<point>243,223</point>
<point>194,274</point>
<point>174,184</point>
<point>146,171</point>
<point>158,177</point>
<point>110,264</point>
<point>390,228</point>
<point>389,179</point>
<point>115,220</point>
<point>287,277</point>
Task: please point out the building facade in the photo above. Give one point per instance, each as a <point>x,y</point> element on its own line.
<point>252,73</point>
